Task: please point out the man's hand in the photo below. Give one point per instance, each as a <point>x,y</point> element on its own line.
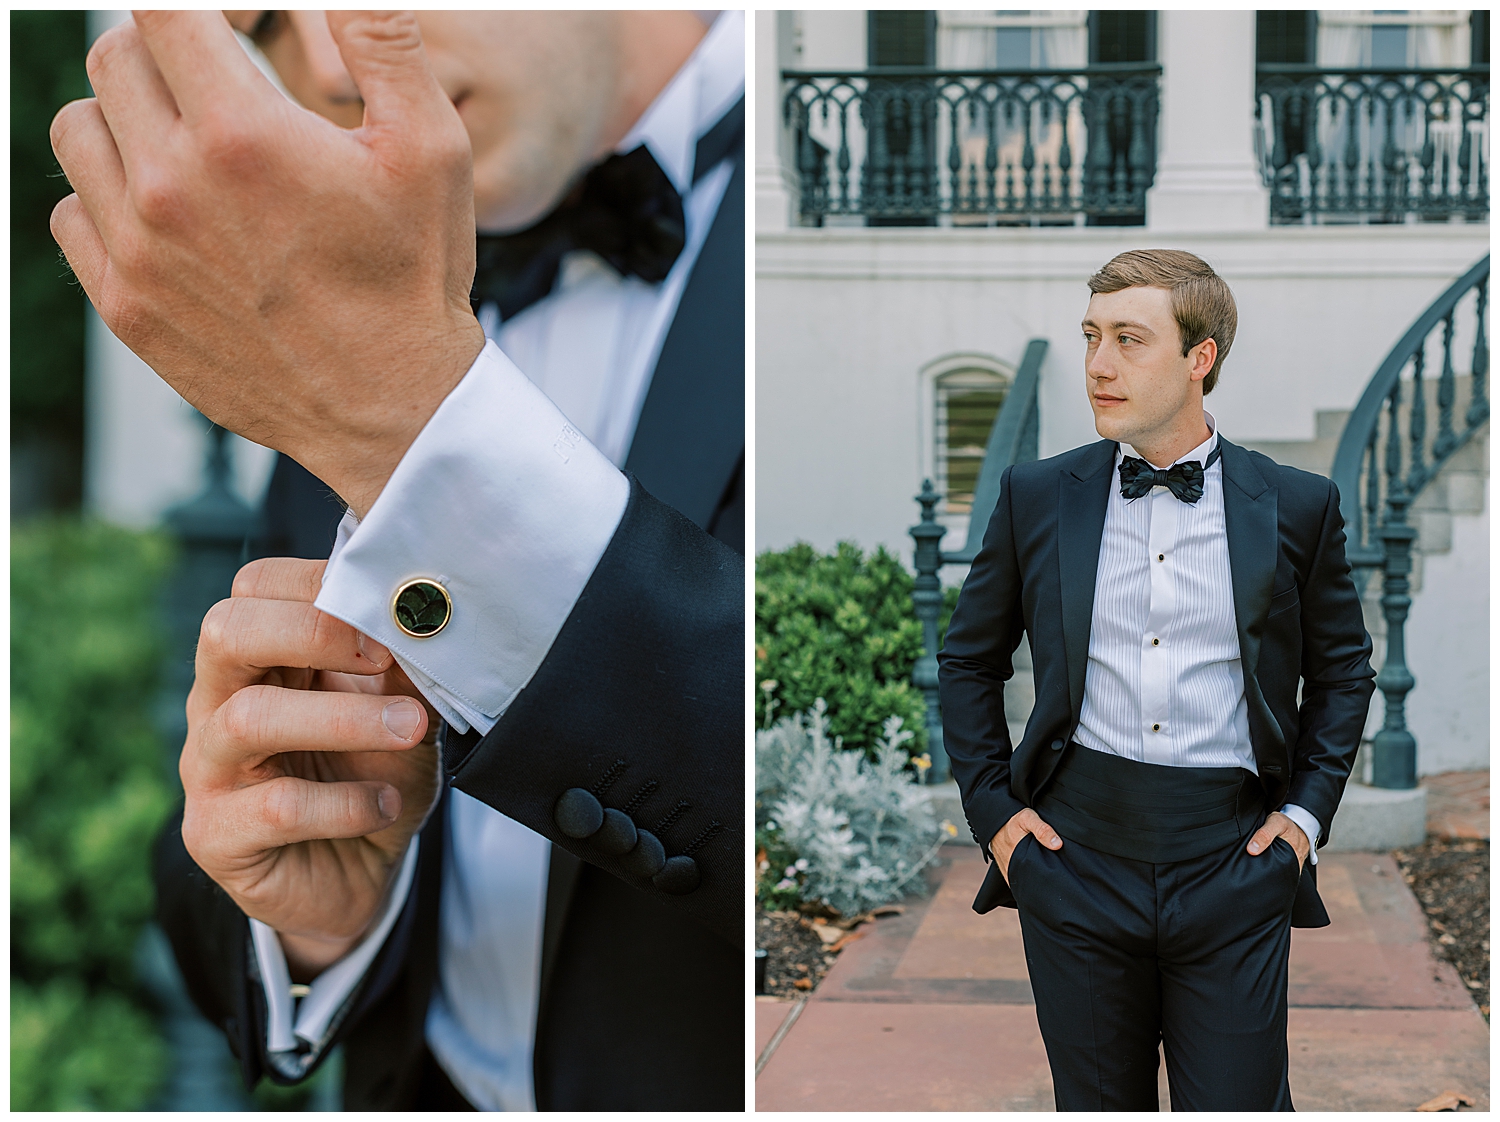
<point>308,765</point>
<point>1023,822</point>
<point>303,285</point>
<point>1278,825</point>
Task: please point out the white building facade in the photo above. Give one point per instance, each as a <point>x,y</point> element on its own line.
<point>916,228</point>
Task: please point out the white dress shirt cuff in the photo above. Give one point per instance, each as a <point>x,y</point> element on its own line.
<point>506,505</point>
<point>287,1020</point>
<point>1308,825</point>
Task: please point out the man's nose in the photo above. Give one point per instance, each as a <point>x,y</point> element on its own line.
<point>1099,363</point>
<point>324,63</point>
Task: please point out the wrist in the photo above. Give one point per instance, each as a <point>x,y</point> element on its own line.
<point>307,956</point>
<point>357,454</point>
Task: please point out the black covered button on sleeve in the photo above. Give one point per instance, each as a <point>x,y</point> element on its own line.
<point>578,814</point>
<point>647,858</point>
<point>679,876</point>
<point>1057,745</point>
<point>617,835</point>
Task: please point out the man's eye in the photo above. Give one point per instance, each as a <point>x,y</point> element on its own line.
<point>1128,339</point>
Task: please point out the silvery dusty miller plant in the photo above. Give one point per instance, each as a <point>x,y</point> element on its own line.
<point>862,824</point>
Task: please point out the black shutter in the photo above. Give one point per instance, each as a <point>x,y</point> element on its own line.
<point>1286,37</point>
<point>1117,36</point>
<point>1479,38</point>
<point>1122,36</point>
<point>903,38</point>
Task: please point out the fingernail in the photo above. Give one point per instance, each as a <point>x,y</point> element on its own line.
<point>402,718</point>
<point>390,802</point>
<point>375,652</point>
<point>1255,847</point>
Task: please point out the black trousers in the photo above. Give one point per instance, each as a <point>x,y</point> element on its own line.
<point>1192,953</point>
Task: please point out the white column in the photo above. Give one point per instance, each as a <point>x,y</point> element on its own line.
<point>773,180</point>
<point>1207,178</point>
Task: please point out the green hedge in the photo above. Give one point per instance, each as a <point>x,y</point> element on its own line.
<point>839,626</point>
<point>89,789</point>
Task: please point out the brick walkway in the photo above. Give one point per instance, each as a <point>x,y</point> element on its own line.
<point>1458,804</point>
<point>932,1009</point>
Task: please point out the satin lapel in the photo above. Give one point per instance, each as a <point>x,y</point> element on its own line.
<point>1082,499</point>
<point>691,434</point>
<point>1254,539</point>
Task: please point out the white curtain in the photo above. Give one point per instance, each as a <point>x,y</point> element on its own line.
<point>1439,44</point>
<point>969,40</point>
<point>1065,46</point>
<point>963,48</point>
<point>1342,43</point>
<point>1434,38</point>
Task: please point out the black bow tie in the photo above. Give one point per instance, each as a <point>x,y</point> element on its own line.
<point>625,210</point>
<point>1185,480</point>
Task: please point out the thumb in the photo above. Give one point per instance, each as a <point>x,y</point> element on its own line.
<point>383,54</point>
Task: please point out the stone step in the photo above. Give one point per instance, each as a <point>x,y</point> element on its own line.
<point>1376,818</point>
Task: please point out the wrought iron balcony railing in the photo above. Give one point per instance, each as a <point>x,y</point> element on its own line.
<point>915,146</point>
<point>1385,459</point>
<point>1374,145</point>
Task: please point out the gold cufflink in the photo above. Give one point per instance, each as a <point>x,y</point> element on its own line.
<point>421,608</point>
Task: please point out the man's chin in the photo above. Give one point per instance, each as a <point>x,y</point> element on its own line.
<point>506,203</point>
<point>1111,428</point>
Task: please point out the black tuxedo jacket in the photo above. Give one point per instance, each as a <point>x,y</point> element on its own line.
<point>642,991</point>
<point>1295,606</point>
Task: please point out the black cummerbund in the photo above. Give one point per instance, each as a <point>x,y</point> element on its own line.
<point>1149,812</point>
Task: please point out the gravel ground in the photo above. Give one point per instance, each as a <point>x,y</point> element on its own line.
<point>1451,880</point>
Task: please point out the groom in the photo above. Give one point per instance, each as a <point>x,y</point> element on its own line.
<point>1156,825</point>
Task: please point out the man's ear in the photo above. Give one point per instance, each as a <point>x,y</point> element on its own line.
<point>1202,358</point>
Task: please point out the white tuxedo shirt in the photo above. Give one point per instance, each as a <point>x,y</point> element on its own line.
<point>1164,683</point>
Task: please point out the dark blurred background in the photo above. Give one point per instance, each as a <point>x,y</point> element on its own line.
<point>46,348</point>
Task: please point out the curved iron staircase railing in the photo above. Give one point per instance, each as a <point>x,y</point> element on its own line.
<point>1384,461</point>
<point>1013,440</point>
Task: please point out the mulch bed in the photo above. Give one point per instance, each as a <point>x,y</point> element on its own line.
<point>795,953</point>
<point>802,945</point>
<point>1451,880</point>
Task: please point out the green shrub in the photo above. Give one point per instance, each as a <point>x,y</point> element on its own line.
<point>839,626</point>
<point>844,829</point>
<point>72,1050</point>
<point>89,790</point>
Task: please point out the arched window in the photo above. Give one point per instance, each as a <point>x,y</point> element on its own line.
<point>966,402</point>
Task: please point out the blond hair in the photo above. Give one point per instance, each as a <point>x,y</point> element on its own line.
<point>1202,304</point>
